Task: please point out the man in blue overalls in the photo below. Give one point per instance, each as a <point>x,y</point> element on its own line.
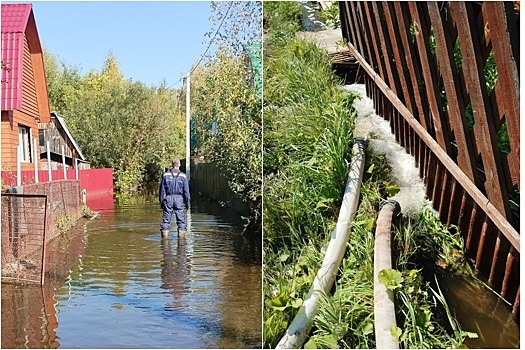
<point>174,193</point>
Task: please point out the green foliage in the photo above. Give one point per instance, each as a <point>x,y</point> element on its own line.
<point>308,125</point>
<point>64,222</point>
<point>118,123</point>
<point>391,278</point>
<point>87,212</point>
<point>222,96</point>
<point>331,16</point>
<point>226,102</point>
<point>281,20</point>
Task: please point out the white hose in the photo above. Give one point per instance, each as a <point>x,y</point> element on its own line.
<point>302,323</point>
<point>384,308</point>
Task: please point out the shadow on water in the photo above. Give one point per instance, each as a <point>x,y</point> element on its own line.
<point>479,310</point>
<point>112,282</point>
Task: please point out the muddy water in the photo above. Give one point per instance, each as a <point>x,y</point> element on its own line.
<point>479,310</point>
<point>113,283</point>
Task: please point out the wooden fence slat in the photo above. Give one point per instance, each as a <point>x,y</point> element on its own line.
<point>497,269</point>
<point>413,67</point>
<point>375,47</point>
<point>430,76</point>
<point>484,124</point>
<point>356,38</point>
<point>366,34</point>
<point>386,48</point>
<point>456,107</point>
<point>508,78</point>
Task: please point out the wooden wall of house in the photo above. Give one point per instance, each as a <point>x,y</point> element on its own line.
<point>29,96</point>
<point>10,122</point>
<point>55,134</point>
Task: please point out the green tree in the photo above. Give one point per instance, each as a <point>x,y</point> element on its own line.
<point>226,105</point>
<point>233,108</point>
<point>118,123</point>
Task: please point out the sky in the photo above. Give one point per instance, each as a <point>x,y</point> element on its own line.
<point>153,41</point>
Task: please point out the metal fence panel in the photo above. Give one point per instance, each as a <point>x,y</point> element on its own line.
<point>23,237</point>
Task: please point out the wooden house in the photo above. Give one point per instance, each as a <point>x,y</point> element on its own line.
<point>60,139</point>
<point>25,101</point>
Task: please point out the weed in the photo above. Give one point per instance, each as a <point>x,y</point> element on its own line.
<point>63,222</point>
<point>87,212</point>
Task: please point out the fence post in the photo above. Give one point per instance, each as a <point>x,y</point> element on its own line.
<point>76,168</point>
<point>35,155</point>
<point>64,162</point>
<point>49,178</point>
<point>18,166</point>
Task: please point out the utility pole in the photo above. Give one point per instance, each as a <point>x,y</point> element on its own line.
<point>188,126</point>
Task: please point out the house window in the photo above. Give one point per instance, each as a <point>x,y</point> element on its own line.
<point>24,140</point>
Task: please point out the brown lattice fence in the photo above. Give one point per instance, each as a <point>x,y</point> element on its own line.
<point>446,76</point>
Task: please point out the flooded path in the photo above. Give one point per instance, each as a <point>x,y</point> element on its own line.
<point>113,283</point>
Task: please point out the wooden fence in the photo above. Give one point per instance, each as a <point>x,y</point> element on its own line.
<point>446,76</point>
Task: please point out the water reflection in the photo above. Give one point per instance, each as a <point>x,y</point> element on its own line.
<point>176,270</point>
<point>113,283</point>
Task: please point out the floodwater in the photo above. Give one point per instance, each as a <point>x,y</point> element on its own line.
<point>114,283</point>
<point>478,309</point>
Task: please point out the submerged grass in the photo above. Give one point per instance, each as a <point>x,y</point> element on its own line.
<point>308,127</point>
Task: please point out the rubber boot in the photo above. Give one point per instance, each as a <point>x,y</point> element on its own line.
<point>182,233</point>
<point>165,233</point>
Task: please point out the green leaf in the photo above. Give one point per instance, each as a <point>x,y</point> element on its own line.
<point>369,224</point>
<point>371,169</point>
<point>395,331</point>
<point>392,190</point>
<point>368,329</point>
<point>329,341</point>
<point>391,278</point>
<point>471,335</point>
<point>280,302</point>
<point>321,204</point>
<point>310,344</point>
<point>283,257</point>
<point>297,303</point>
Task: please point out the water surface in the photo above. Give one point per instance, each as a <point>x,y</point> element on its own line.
<point>114,283</point>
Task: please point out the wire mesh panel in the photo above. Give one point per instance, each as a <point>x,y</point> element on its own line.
<point>23,237</point>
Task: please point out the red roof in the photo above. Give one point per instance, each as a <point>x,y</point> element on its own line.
<point>15,18</point>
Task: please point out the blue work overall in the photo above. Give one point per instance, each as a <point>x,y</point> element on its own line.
<point>173,195</point>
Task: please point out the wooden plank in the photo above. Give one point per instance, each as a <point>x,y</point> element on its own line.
<point>413,66</point>
<point>508,77</point>
<point>484,124</point>
<point>422,32</point>
<point>516,305</point>
<point>438,186</point>
<point>511,279</point>
<point>497,218</point>
<point>399,58</point>
<point>455,204</point>
<point>365,30</point>
<point>497,269</point>
<point>446,194</point>
<point>487,243</point>
<point>352,24</point>
<point>386,47</point>
<point>375,45</point>
<point>456,107</point>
